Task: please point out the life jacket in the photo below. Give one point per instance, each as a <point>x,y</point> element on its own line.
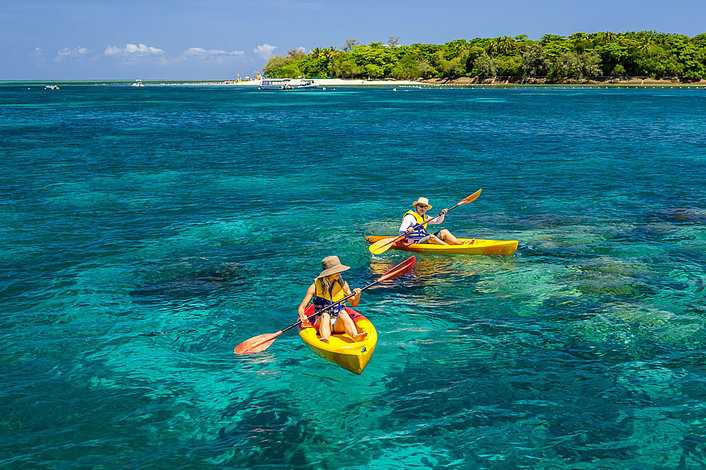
<point>323,297</point>
<point>421,230</point>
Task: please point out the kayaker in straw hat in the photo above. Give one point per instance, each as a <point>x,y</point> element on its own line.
<point>419,234</point>
<point>329,287</point>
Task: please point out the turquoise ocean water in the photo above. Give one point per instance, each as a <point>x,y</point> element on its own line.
<point>147,231</point>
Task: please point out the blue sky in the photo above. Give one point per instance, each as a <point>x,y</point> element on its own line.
<point>217,39</point>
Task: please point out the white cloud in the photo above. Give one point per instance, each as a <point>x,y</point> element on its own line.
<point>265,51</point>
<point>133,54</point>
<point>65,52</point>
<point>112,50</point>
<point>132,50</point>
<point>141,54</point>
<point>201,52</point>
<point>142,49</point>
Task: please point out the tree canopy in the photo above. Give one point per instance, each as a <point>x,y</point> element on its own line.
<point>554,58</point>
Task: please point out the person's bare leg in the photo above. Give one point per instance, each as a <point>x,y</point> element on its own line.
<point>324,327</point>
<point>434,240</point>
<point>449,238</point>
<point>349,326</point>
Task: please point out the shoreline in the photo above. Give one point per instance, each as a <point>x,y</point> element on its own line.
<point>333,82</point>
<point>519,81</point>
<point>461,82</point>
<point>493,82</point>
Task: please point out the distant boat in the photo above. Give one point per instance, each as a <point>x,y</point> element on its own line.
<point>306,83</point>
<point>51,87</point>
<point>138,83</point>
<point>276,84</point>
<point>286,84</point>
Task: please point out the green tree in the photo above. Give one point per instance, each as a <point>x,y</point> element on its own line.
<point>510,66</point>
<point>289,66</point>
<point>273,65</point>
<point>349,45</point>
<point>576,65</point>
<point>320,62</point>
<point>534,60</point>
<point>581,42</point>
<point>348,68</point>
<point>577,56</point>
<point>452,68</point>
<point>692,61</point>
<point>486,66</point>
<point>591,65</point>
<point>612,55</point>
<point>503,46</point>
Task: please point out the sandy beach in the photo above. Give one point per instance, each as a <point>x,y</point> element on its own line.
<point>333,82</point>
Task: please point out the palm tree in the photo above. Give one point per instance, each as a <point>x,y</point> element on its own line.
<point>350,44</point>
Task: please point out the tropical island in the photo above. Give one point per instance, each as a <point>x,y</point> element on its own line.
<point>602,57</point>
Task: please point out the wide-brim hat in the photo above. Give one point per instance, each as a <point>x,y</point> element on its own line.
<point>332,265</point>
<point>423,201</point>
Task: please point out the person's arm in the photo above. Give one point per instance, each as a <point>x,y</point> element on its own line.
<point>407,223</point>
<point>356,298</point>
<point>307,298</point>
<point>439,219</point>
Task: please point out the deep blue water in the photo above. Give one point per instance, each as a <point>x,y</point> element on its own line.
<point>147,231</point>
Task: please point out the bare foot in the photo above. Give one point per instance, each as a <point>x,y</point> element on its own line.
<point>324,340</point>
<point>470,242</point>
<point>360,336</point>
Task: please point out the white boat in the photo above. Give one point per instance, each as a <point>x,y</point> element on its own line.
<point>306,83</point>
<point>287,84</point>
<point>275,84</point>
<point>51,87</point>
<point>138,83</point>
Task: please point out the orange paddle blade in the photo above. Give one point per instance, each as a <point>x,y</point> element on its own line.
<point>381,246</point>
<point>400,270</point>
<point>256,343</point>
<point>470,198</point>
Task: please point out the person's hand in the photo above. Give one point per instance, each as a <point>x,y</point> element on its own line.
<point>303,318</point>
<point>410,230</point>
<point>444,211</point>
<point>357,291</point>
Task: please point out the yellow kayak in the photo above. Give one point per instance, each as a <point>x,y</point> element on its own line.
<point>341,348</point>
<point>478,247</point>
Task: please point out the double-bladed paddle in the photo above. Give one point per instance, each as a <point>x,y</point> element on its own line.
<point>262,342</point>
<point>381,246</point>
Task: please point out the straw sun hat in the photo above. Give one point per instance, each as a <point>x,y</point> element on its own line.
<point>331,265</point>
<point>423,201</point>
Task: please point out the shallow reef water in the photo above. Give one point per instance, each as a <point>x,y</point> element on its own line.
<point>147,231</point>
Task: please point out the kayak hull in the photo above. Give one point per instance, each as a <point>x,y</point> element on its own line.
<point>342,349</point>
<point>478,247</point>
